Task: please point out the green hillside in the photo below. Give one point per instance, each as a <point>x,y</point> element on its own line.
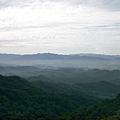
<point>43,100</point>
<point>106,110</point>
<point>101,89</point>
<point>21,99</point>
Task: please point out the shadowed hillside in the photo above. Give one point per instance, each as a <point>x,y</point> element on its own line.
<point>20,99</point>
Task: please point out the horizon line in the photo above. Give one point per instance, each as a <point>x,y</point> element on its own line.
<point>61,54</point>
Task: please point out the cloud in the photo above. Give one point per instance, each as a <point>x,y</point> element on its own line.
<point>72,26</point>
<point>105,4</point>
<point>16,3</point>
<point>113,5</point>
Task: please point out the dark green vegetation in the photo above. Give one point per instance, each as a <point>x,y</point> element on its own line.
<point>71,75</point>
<point>106,110</point>
<point>44,98</point>
<point>22,99</point>
<point>64,75</point>
<point>99,90</point>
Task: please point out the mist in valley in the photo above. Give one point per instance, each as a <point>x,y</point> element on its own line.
<point>59,60</point>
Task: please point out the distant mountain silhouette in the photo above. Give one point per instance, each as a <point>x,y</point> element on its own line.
<point>50,56</point>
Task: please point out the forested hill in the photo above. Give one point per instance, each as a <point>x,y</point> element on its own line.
<point>72,76</point>
<point>21,99</point>
<point>106,110</point>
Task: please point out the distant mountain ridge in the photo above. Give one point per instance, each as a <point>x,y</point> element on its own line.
<point>56,56</point>
<point>50,60</point>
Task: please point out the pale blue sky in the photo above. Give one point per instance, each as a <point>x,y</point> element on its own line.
<point>60,26</point>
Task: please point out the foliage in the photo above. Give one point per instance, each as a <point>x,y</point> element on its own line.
<point>21,99</point>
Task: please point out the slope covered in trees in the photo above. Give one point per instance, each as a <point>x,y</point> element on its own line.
<point>21,99</point>
<point>105,110</point>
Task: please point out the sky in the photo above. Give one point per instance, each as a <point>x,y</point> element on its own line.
<point>60,26</point>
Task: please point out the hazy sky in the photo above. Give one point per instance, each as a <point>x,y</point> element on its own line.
<point>60,26</point>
